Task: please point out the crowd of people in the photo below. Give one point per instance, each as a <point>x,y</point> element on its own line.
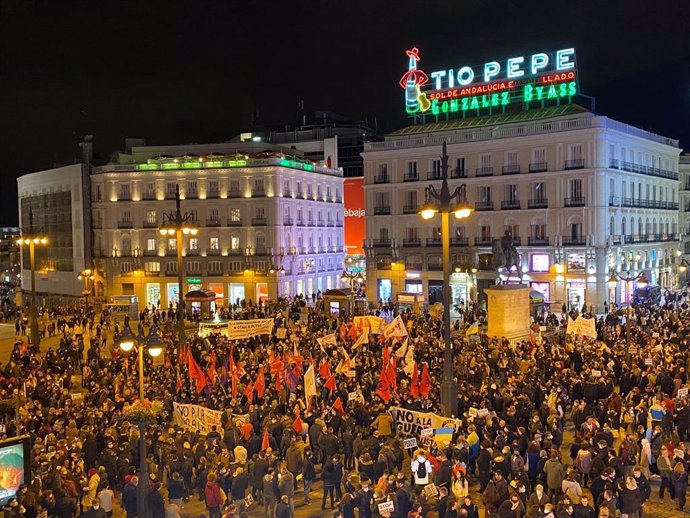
<point>545,428</point>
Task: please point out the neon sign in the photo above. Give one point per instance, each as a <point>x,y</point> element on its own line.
<point>539,78</point>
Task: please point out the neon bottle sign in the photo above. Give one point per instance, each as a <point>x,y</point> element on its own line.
<point>539,77</point>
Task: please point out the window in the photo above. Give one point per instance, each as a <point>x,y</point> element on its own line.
<point>260,241</point>
<point>539,156</point>
<point>214,243</point>
<point>309,190</point>
<point>258,185</point>
<point>170,188</point>
<point>383,235</point>
<point>150,190</point>
<point>171,267</point>
<point>191,188</point>
<point>214,215</point>
<point>412,169</point>
<point>383,171</point>
<point>260,213</point>
<point>412,233</point>
<point>511,158</point>
<point>99,195</point>
<point>485,232</point>
<point>299,188</point>
<point>436,233</point>
<point>485,161</point>
<point>236,266</point>
<point>126,216</point>
<point>539,231</point>
<point>193,267</point>
<point>172,244</point>
<point>126,267</point>
<point>484,194</point>
<point>193,243</point>
<point>235,215</point>
<point>213,186</point>
<point>318,192</point>
<point>538,192</point>
<point>511,193</point>
<point>235,186</point>
<point>152,267</point>
<point>124,191</point>
<point>513,229</point>
<point>215,267</point>
<point>460,232</point>
<point>435,167</point>
<point>151,244</point>
<point>151,217</point>
<point>575,188</point>
<point>234,243</point>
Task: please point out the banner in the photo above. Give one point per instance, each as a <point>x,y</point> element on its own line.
<point>582,326</point>
<point>238,329</point>
<point>327,340</point>
<point>395,328</point>
<point>200,419</point>
<point>354,215</point>
<point>411,423</point>
<point>371,322</point>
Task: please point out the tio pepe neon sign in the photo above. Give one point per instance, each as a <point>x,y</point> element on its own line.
<point>539,77</point>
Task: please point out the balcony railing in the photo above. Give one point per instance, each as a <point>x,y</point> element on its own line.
<point>288,222</point>
<point>213,222</point>
<point>483,241</point>
<point>538,203</point>
<point>433,241</point>
<point>259,222</point>
<point>511,169</point>
<point>576,163</point>
<point>338,223</point>
<point>382,242</point>
<point>485,171</point>
<point>412,241</point>
<point>191,195</point>
<point>213,252</point>
<point>484,205</point>
<point>382,210</point>
<point>459,241</point>
<point>287,193</point>
<point>573,240</point>
<point>125,224</point>
<point>124,197</point>
<point>258,193</point>
<point>381,178</point>
<point>148,196</point>
<point>234,194</point>
<point>234,222</point>
<point>537,241</point>
<point>434,175</point>
<point>648,170</point>
<point>212,195</point>
<point>300,222</point>
<point>192,252</point>
<point>613,163</point>
<point>149,224</point>
<point>411,177</point>
<point>649,204</point>
<point>538,167</point>
<point>414,266</point>
<point>150,253</point>
<point>510,204</point>
<point>410,209</point>
<point>574,202</point>
<point>458,173</point>
<point>434,267</point>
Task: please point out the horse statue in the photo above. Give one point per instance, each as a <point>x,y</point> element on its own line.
<point>505,255</point>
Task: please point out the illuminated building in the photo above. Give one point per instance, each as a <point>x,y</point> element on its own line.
<point>580,193</point>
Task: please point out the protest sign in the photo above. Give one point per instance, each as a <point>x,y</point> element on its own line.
<point>430,490</point>
<point>682,392</point>
<point>327,340</point>
<point>582,326</point>
<point>426,432</point>
<point>248,500</point>
<point>239,329</point>
<point>472,412</point>
<point>411,422</point>
<point>351,396</point>
<point>596,373</point>
<point>386,507</point>
<point>198,418</point>
<point>351,374</point>
<point>281,333</point>
<point>649,361</point>
<point>410,443</point>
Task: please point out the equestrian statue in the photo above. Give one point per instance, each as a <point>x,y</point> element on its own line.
<point>505,256</point>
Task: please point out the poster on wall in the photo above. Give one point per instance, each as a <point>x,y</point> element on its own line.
<point>576,262</point>
<point>539,263</point>
<point>353,220</point>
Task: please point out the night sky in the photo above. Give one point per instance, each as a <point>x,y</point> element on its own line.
<point>179,71</point>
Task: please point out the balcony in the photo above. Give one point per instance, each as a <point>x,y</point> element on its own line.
<point>483,205</point>
<point>288,222</point>
<point>192,252</point>
<point>435,267</point>
<point>615,240</point>
<point>212,195</point>
<point>574,202</point>
<point>148,196</point>
<point>576,163</point>
<point>459,241</point>
<point>259,222</point>
<point>483,241</point>
<point>411,177</point>
<point>258,193</point>
<point>458,173</point>
<point>412,241</point>
<point>538,167</point>
<point>510,169</point>
<point>381,178</point>
<point>382,242</point>
<point>434,175</point>
<point>613,163</point>
<point>382,210</point>
<point>433,241</point>
<point>235,251</point>
<point>338,224</point>
<point>311,223</point>
<point>169,195</point>
<point>215,273</point>
<point>510,205</point>
<point>538,203</point>
<point>330,223</point>
<point>124,197</point>
<point>685,187</point>
<point>234,194</point>
<point>191,195</point>
<point>287,193</point>
<point>320,223</point>
<point>149,224</point>
<point>125,224</point>
<point>170,252</point>
<point>172,272</point>
<point>414,266</point>
<point>484,171</point>
<point>150,253</point>
<point>614,201</point>
<point>234,222</point>
<point>300,222</point>
<point>410,209</point>
<point>573,240</point>
<point>537,241</point>
<point>213,222</point>
<point>213,252</point>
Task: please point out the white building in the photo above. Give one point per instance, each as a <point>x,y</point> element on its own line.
<point>684,223</point>
<point>581,194</point>
<point>256,208</point>
<point>56,198</point>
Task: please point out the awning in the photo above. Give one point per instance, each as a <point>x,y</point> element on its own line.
<point>200,296</point>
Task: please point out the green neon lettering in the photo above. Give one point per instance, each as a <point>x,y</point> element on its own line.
<point>444,106</point>
<point>562,90</point>
<point>454,106</point>
<point>474,104</point>
<point>527,93</point>
<point>572,89</point>
<point>552,92</point>
<point>505,98</point>
<point>465,103</point>
<point>434,106</point>
<point>485,102</point>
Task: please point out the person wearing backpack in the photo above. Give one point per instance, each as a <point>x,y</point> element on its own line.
<point>421,469</point>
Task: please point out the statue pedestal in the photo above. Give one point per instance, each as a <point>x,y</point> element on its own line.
<point>508,311</point>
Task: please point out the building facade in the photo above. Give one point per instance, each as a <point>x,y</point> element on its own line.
<point>582,195</point>
<point>259,211</point>
<point>684,181</point>
<point>56,199</point>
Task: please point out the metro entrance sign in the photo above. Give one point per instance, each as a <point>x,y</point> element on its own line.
<point>533,80</point>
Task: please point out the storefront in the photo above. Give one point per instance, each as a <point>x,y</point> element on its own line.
<point>217,288</point>
<point>153,294</point>
<point>384,290</point>
<point>172,294</point>
<point>236,292</point>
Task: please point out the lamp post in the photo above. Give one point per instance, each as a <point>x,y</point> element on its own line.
<point>444,202</point>
<point>33,240</point>
<point>127,341</point>
<point>176,224</point>
<point>351,278</point>
<point>277,269</point>
<point>628,277</point>
<point>86,275</point>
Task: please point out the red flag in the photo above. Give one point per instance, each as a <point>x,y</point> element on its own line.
<point>383,390</point>
<point>249,391</point>
<point>211,368</point>
<point>265,443</point>
<point>330,383</point>
<point>297,425</point>
<point>178,385</point>
<point>260,383</point>
<point>390,374</point>
<point>342,331</point>
<point>425,385</point>
<point>353,332</point>
<point>183,354</point>
<point>414,387</point>
<point>325,370</point>
<point>196,373</point>
<point>338,405</point>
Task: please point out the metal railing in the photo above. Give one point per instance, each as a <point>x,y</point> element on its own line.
<point>483,205</point>
<point>538,203</point>
<point>484,171</point>
<point>576,163</point>
<point>510,169</point>
<point>578,201</point>
<point>538,167</point>
<point>510,204</point>
<point>537,241</point>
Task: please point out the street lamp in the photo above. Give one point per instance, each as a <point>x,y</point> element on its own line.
<point>351,278</point>
<point>33,240</point>
<point>176,224</point>
<point>277,269</point>
<point>87,275</point>
<point>444,202</point>
<point>154,345</point>
<point>642,282</point>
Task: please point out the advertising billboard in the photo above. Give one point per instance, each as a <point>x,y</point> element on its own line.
<point>15,466</point>
<point>354,217</point>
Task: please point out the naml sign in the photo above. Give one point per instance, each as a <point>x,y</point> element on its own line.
<point>468,89</point>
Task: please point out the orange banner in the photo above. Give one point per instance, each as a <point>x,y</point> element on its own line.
<point>354,218</point>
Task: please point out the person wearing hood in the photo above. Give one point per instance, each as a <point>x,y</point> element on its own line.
<point>571,488</point>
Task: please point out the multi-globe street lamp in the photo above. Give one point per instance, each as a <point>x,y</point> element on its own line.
<point>32,239</point>
<point>178,224</point>
<point>154,345</point>
<point>87,275</point>
<point>443,202</point>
